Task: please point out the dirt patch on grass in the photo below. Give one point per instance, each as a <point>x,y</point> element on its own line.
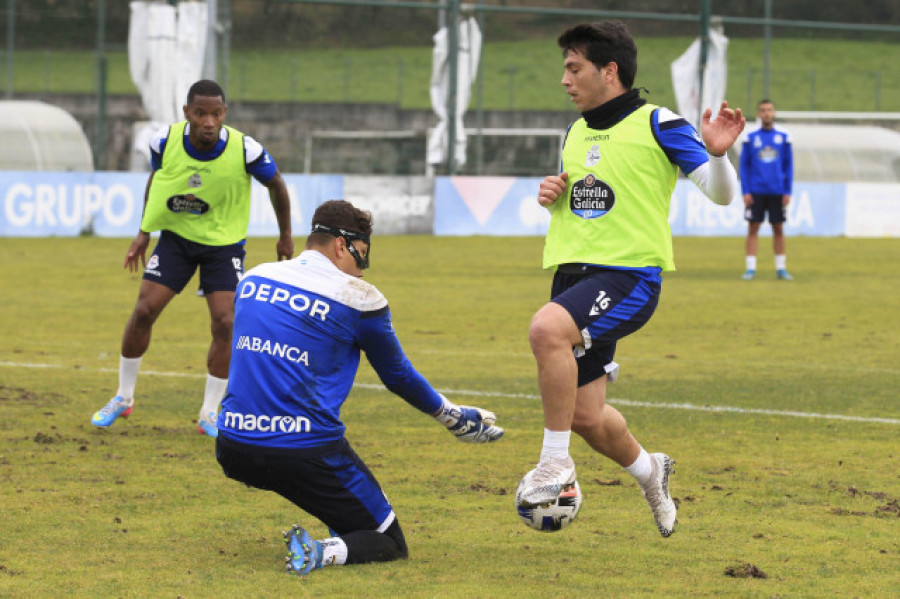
<point>744,570</point>
<point>20,395</point>
<point>9,571</point>
<point>890,507</point>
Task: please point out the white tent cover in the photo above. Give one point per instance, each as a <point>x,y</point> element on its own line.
<point>41,137</point>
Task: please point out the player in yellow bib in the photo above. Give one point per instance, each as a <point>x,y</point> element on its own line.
<point>608,242</point>
<point>198,197</point>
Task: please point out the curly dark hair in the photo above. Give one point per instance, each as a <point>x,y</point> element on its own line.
<point>603,43</point>
<point>340,214</point>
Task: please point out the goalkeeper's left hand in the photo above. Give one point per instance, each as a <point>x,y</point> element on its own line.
<point>469,424</point>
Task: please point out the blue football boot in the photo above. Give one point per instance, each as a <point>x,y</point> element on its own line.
<point>305,553</point>
<point>108,414</point>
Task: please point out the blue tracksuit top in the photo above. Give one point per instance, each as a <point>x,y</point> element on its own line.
<point>299,326</point>
<point>767,162</point>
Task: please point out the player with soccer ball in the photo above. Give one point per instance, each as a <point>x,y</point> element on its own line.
<point>299,326</point>
<point>608,242</point>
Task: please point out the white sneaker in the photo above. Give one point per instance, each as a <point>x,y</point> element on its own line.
<point>544,484</point>
<point>656,492</point>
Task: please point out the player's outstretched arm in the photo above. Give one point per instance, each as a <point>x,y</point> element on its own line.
<point>469,424</point>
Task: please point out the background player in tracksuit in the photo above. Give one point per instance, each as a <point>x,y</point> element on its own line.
<point>298,330</point>
<point>767,177</point>
<point>608,241</point>
<point>198,196</point>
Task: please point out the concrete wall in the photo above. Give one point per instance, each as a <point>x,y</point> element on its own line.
<point>281,127</point>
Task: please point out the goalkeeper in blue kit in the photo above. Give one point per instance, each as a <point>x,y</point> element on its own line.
<point>299,327</point>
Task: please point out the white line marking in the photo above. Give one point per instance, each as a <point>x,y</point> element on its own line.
<point>474,393</point>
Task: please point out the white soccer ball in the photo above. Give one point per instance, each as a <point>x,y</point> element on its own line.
<point>556,515</point>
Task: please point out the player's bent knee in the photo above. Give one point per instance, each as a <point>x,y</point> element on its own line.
<point>365,546</point>
<point>546,332</point>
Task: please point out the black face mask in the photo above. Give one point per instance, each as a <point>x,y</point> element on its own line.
<point>349,236</point>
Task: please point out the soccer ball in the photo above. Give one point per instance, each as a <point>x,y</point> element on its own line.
<point>555,516</point>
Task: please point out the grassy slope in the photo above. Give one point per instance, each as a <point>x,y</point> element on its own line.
<point>806,74</point>
<point>142,509</point>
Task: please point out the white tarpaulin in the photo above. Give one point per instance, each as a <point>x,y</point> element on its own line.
<point>166,47</point>
<point>467,71</point>
<point>686,78</point>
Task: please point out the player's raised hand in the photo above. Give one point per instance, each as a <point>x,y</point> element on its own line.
<point>721,133</point>
<point>137,252</point>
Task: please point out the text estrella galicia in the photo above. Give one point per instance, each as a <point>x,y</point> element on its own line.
<point>591,197</point>
<point>187,203</point>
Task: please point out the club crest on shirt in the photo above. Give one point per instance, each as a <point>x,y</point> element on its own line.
<point>593,156</point>
<point>591,197</point>
<point>194,180</point>
<point>768,154</point>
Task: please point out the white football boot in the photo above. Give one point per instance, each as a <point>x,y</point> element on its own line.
<point>544,484</point>
<point>656,492</point>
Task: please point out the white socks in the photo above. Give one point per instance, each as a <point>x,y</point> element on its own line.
<point>212,397</point>
<point>642,467</point>
<point>128,372</point>
<point>334,552</point>
<point>556,444</point>
<point>780,262</point>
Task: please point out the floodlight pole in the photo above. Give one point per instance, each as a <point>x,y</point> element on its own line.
<point>100,132</point>
<point>767,68</point>
<point>212,24</point>
<point>10,45</point>
<point>453,69</point>
<point>705,9</point>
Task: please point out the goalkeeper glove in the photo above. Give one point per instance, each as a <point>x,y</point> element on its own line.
<point>469,424</point>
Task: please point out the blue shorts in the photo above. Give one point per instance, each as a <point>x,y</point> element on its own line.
<point>606,305</point>
<point>329,482</point>
<point>175,260</point>
<point>762,203</point>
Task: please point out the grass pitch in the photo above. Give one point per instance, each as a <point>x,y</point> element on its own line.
<point>777,399</point>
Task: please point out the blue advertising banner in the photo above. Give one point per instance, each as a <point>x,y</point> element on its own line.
<point>488,206</point>
<point>508,206</point>
<point>110,204</point>
<point>815,209</point>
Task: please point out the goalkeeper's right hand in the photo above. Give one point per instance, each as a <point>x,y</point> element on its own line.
<point>469,424</point>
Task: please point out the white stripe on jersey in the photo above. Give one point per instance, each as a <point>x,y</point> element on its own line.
<point>252,149</point>
<point>666,115</point>
<point>313,272</point>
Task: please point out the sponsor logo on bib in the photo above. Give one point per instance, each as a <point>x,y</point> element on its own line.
<point>187,203</point>
<point>591,197</point>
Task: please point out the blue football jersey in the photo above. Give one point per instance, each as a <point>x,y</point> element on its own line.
<point>767,162</point>
<point>299,327</point>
